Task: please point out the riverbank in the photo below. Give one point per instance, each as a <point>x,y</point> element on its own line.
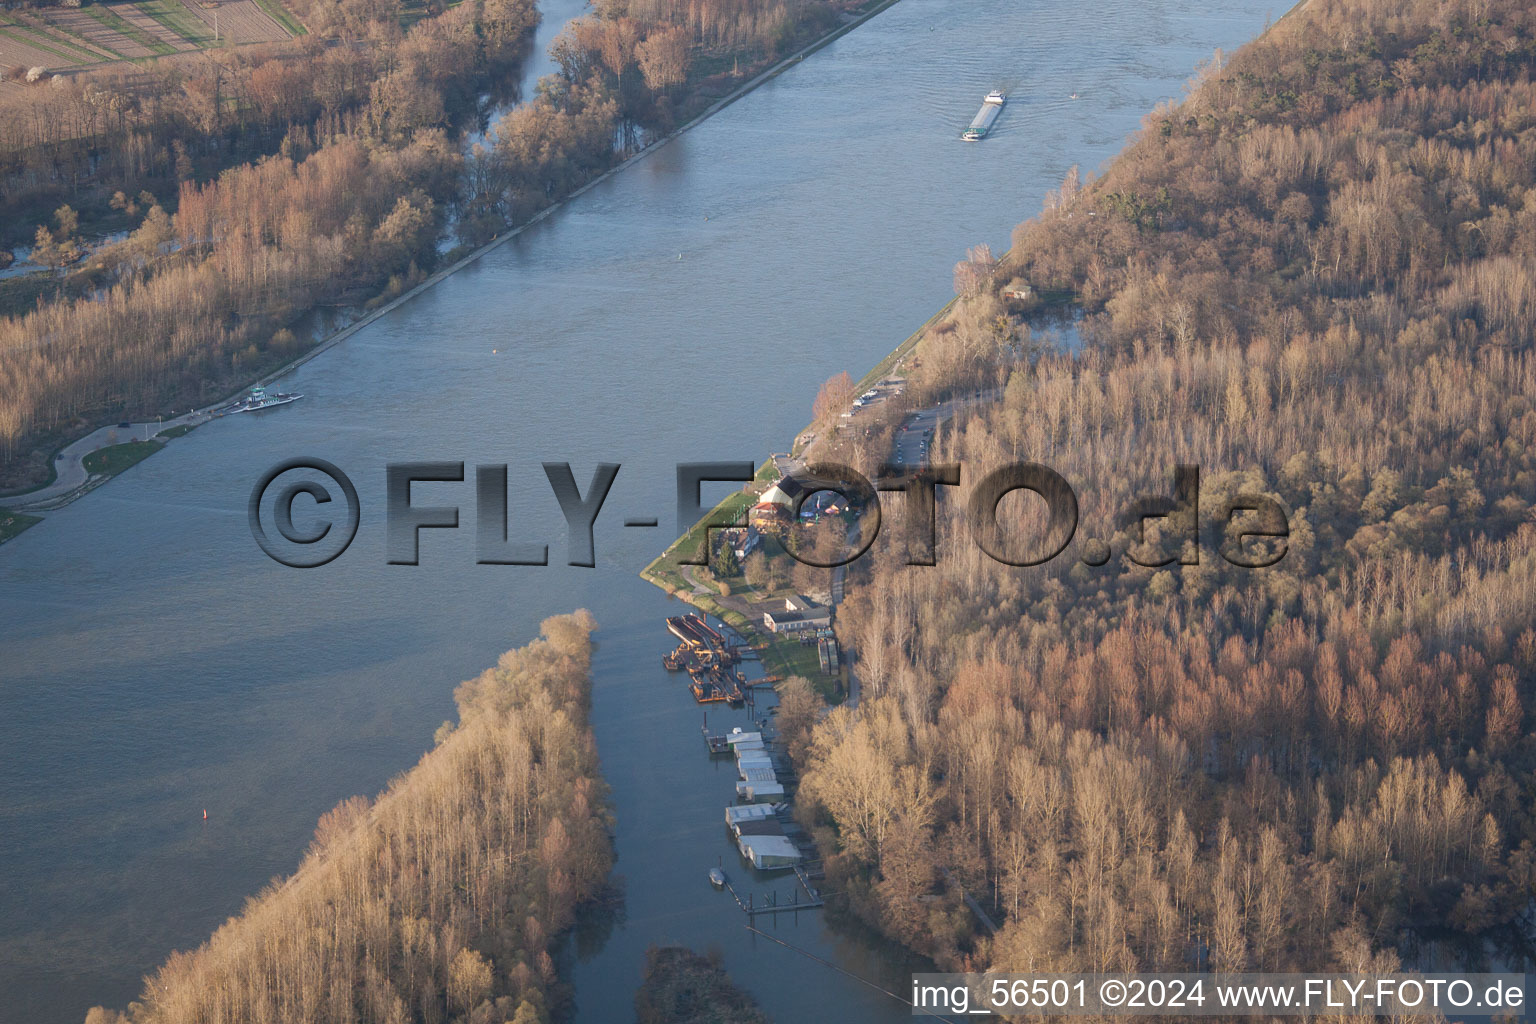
<point>667,571</point>
<point>1152,392</point>
<point>320,695</point>
<point>518,767</point>
<point>734,601</point>
<point>781,654</point>
<point>82,466</point>
<point>57,492</point>
<point>13,524</point>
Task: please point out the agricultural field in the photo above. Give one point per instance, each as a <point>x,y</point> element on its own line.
<point>98,35</point>
<point>27,40</point>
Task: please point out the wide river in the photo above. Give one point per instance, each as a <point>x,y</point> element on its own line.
<point>154,663</point>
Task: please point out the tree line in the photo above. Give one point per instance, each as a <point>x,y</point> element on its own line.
<point>444,898</point>
<point>358,171</point>
<point>155,125</point>
<point>1312,279</point>
<point>202,291</point>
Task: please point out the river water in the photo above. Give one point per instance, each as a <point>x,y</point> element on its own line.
<point>154,663</point>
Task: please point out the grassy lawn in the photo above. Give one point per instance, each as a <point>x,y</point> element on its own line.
<point>20,294</point>
<point>665,571</point>
<point>707,65</point>
<point>733,508</point>
<point>280,15</point>
<point>12,523</point>
<point>117,23</point>
<point>118,457</point>
<point>179,20</point>
<point>787,656</point>
<point>177,431</point>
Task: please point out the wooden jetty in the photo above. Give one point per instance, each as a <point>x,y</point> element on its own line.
<point>717,744</point>
<point>751,906</point>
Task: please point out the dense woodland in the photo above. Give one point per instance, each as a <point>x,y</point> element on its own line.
<point>272,179</point>
<point>444,898</point>
<point>354,175</point>
<point>1314,280</point>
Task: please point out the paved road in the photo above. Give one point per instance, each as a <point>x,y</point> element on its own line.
<point>911,449</point>
<point>919,427</point>
<point>73,480</point>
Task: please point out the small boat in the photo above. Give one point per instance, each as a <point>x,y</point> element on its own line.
<point>991,107</point>
<point>717,878</point>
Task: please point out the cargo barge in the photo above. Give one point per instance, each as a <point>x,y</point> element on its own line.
<point>991,107</point>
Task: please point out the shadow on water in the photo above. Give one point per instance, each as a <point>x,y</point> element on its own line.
<point>595,921</point>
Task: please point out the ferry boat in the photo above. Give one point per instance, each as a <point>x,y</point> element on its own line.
<point>990,108</point>
<point>261,398</point>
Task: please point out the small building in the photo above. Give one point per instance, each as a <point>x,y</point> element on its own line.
<point>785,492</point>
<point>736,737</point>
<point>759,827</point>
<point>800,613</point>
<point>741,540</point>
<point>1018,291</point>
<point>748,812</point>
<point>747,543</point>
<point>768,517</point>
<point>758,774</point>
<point>760,792</point>
<point>769,852</point>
